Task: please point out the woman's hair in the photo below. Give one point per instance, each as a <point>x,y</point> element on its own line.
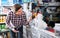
<point>17,7</point>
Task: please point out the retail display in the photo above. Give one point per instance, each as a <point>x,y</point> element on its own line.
<point>6,2</point>
<point>57,0</point>
<point>46,0</point>
<point>57,27</point>
<point>2,19</point>
<point>2,27</point>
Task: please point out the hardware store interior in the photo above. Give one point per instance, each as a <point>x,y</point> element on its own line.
<point>42,18</point>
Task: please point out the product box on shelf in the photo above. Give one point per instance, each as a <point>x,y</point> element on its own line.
<point>2,27</point>
<point>2,19</point>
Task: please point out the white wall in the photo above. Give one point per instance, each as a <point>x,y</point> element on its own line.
<point>0,2</point>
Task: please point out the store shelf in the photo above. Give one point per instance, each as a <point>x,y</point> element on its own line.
<point>8,5</point>
<point>51,4</point>
<point>3,14</point>
<point>2,22</point>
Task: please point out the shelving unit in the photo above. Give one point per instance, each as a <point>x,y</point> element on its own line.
<point>3,14</point>
<point>51,4</point>
<point>2,22</point>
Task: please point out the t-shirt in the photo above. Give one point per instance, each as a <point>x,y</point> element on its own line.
<point>50,29</point>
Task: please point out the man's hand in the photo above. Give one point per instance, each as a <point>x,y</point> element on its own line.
<point>27,26</point>
<point>15,31</point>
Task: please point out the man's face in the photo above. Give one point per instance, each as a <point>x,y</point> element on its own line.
<point>19,11</point>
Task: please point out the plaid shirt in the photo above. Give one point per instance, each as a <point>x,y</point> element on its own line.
<point>16,20</point>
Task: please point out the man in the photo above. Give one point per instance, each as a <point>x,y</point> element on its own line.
<point>15,21</point>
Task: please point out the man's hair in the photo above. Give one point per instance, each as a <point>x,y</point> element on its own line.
<point>52,24</point>
<point>17,7</point>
